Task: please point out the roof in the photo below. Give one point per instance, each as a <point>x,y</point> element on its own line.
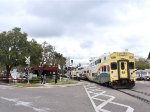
<point>52,68</point>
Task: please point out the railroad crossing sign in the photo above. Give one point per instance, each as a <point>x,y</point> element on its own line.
<point>27,60</point>
<point>28,63</point>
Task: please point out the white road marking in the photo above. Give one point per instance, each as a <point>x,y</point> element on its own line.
<point>92,88</point>
<point>26,104</point>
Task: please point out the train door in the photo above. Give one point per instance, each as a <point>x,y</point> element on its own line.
<point>123,70</point>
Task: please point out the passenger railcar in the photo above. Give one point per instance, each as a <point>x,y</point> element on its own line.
<point>116,69</point>
<point>82,71</point>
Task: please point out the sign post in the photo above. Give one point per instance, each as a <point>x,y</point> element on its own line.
<point>28,63</point>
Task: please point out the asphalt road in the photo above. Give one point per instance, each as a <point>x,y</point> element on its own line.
<point>56,99</point>
<point>87,97</point>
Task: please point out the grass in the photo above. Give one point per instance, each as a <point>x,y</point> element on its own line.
<point>67,81</point>
<point>36,82</point>
<point>26,85</point>
<point>63,81</point>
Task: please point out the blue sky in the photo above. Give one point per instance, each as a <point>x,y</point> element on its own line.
<point>81,29</point>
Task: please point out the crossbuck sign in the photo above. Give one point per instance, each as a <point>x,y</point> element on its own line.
<point>27,60</point>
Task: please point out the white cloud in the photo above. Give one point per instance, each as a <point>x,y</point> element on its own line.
<point>81,29</point>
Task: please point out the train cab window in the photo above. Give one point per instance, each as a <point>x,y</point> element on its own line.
<point>122,65</point>
<point>131,65</point>
<point>113,65</point>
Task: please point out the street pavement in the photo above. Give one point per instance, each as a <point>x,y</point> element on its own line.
<point>81,97</point>
<point>143,86</point>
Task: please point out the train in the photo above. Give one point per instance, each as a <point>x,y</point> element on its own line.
<point>82,71</point>
<point>116,70</point>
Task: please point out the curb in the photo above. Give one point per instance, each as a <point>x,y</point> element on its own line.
<point>49,85</point>
<point>57,85</point>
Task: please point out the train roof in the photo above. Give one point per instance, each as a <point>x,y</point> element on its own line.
<point>106,56</point>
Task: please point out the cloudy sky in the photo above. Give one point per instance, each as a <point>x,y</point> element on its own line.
<point>81,29</point>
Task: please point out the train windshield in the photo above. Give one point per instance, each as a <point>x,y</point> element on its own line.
<point>113,65</point>
<point>131,65</point>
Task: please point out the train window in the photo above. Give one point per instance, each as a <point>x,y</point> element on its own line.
<point>84,71</point>
<point>104,58</point>
<point>131,65</point>
<point>104,68</point>
<point>113,65</point>
<point>122,65</point>
<point>87,71</point>
<point>99,60</point>
<point>93,64</point>
<point>93,74</point>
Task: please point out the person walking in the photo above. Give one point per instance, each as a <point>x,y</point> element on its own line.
<point>55,79</point>
<point>42,78</point>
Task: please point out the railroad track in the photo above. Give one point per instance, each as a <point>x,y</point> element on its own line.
<point>147,94</point>
<point>137,94</point>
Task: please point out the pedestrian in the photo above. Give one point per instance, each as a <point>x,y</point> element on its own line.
<point>78,76</point>
<point>55,79</point>
<point>42,78</point>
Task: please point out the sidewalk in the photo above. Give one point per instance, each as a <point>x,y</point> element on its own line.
<point>48,85</point>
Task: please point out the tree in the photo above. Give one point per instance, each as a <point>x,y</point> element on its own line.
<point>51,57</point>
<point>35,52</point>
<point>142,65</point>
<point>47,54</point>
<point>58,59</point>
<point>13,48</point>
